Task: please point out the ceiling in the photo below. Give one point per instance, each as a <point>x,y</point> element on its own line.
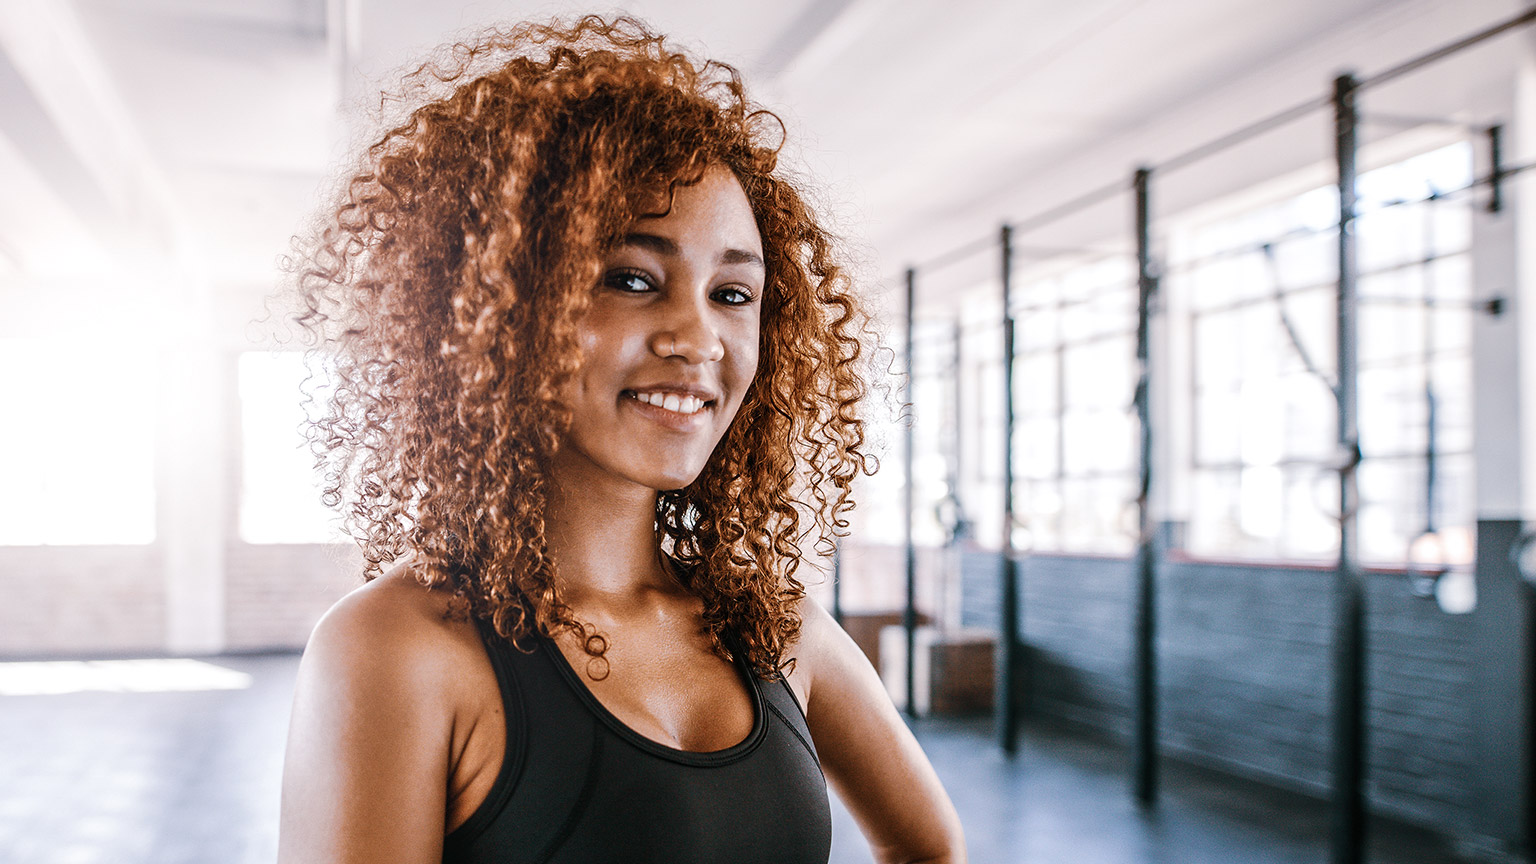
<point>198,132</point>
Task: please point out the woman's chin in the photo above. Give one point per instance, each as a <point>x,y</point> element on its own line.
<point>676,481</point>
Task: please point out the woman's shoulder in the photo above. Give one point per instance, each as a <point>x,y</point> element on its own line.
<point>816,647</point>
<point>383,720</point>
<point>396,627</point>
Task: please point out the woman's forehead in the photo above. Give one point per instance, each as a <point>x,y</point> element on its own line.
<point>714,210</point>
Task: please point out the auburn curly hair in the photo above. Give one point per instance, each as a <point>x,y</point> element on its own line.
<point>448,277</point>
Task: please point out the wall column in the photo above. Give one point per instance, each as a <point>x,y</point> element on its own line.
<point>1504,446</point>
<point>192,495</point>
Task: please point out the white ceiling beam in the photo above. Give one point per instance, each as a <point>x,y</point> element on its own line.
<point>65,117</point>
<point>821,30</point>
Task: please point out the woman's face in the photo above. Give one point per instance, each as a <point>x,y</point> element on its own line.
<point>669,342</point>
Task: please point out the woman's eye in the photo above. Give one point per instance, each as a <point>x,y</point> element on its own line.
<point>629,281</point>
<point>733,296</point>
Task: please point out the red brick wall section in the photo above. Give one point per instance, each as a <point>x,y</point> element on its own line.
<point>71,601</point>
<point>275,594</point>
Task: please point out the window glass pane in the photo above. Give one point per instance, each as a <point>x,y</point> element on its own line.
<point>1389,237</point>
<point>77,446</point>
<point>1453,405</point>
<point>1310,313</point>
<point>1212,528</point>
<point>1306,259</point>
<point>280,489</point>
<point>1035,330</point>
<point>1217,418</point>
<point>1034,381</point>
<point>1098,515</point>
<point>1311,509</point>
<point>1096,442</point>
<point>1100,374</point>
<point>1391,318</point>
<point>1035,448</point>
<point>1216,343</point>
<point>1311,417</point>
<point>1038,509</point>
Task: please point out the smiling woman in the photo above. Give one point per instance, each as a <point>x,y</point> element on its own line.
<point>595,363</point>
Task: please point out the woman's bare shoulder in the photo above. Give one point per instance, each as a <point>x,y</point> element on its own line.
<point>382,689</point>
<point>817,646</point>
<point>395,639</point>
<point>395,614</point>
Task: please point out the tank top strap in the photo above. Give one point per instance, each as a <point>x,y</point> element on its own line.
<point>500,651</point>
<point>776,694</point>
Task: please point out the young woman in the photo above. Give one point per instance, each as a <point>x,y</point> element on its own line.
<point>598,380</point>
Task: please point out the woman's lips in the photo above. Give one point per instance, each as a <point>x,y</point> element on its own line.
<point>682,403</point>
<point>674,420</point>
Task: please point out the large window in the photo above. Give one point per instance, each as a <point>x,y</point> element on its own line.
<point>1074,380</point>
<point>76,443</point>
<point>1258,290</point>
<point>1075,427</point>
<point>279,488</point>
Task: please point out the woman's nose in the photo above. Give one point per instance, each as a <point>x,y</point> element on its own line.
<point>687,333</point>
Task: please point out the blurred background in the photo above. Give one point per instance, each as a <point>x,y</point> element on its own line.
<point>1226,561</point>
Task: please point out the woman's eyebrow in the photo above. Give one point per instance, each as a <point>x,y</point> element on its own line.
<point>741,256</point>
<point>666,246</point>
<point>654,242</point>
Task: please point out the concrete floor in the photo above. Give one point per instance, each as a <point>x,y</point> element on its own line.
<point>183,777</point>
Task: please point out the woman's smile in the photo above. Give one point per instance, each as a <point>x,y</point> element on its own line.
<point>680,412</point>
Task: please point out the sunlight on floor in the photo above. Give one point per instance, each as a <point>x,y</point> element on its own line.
<point>116,676</point>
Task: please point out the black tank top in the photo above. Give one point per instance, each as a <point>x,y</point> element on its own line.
<point>577,785</point>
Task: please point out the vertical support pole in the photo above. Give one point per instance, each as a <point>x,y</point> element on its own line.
<point>1348,820</point>
<point>1007,695</point>
<point>1495,168</point>
<point>1144,767</point>
<point>909,614</point>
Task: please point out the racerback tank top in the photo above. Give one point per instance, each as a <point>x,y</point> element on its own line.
<point>577,785</point>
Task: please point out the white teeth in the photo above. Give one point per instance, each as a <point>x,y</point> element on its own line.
<point>675,402</point>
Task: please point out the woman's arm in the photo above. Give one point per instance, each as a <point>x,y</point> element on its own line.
<point>867,752</point>
<point>365,778</point>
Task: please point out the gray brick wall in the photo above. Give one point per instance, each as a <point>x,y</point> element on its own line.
<point>275,594</point>
<point>84,601</point>
<point>1421,706</point>
<point>1245,671</point>
<point>81,600</point>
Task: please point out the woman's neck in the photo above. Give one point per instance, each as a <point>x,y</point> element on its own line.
<point>602,537</point>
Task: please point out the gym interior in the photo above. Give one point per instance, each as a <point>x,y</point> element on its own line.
<point>1203,527</point>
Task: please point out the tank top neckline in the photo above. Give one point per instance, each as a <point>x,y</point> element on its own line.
<point>702,758</point>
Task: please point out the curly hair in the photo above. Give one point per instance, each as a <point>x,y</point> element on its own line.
<point>448,277</point>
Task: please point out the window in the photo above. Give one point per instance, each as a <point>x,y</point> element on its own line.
<point>280,489</point>
<point>1075,429</point>
<point>77,444</point>
<point>1075,379</point>
<point>1259,293</point>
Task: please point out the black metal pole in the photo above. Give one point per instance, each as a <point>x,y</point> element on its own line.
<point>1349,636</point>
<point>1495,168</point>
<point>909,614</point>
<point>1144,767</point>
<point>1007,695</point>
